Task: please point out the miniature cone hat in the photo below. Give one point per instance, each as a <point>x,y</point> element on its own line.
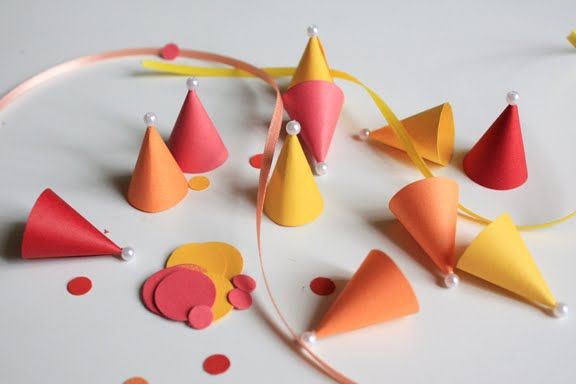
<point>195,142</point>
<point>377,292</point>
<point>157,181</point>
<point>313,99</point>
<point>428,209</point>
<point>497,160</point>
<point>500,256</point>
<point>432,132</point>
<point>55,229</point>
<point>292,196</point>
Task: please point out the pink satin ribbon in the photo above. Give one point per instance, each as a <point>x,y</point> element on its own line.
<point>269,147</point>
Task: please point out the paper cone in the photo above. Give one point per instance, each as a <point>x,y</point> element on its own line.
<point>55,229</point>
<point>500,256</point>
<point>432,133</point>
<point>497,160</point>
<point>377,292</point>
<point>313,64</point>
<point>195,142</point>
<point>316,105</point>
<point>428,209</point>
<point>157,181</point>
<point>292,197</point>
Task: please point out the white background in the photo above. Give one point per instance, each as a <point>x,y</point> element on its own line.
<point>80,135</point>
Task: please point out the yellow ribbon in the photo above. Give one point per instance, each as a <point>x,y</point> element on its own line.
<point>389,116</point>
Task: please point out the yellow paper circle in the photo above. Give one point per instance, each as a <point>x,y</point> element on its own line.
<point>215,257</point>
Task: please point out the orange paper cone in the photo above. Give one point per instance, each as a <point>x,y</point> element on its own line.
<point>157,181</point>
<point>377,292</point>
<point>428,209</point>
<point>432,132</point>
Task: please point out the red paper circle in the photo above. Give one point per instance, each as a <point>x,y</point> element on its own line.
<point>322,286</point>
<point>170,51</point>
<point>200,317</point>
<point>150,286</point>
<point>79,286</point>
<point>244,282</point>
<point>216,364</point>
<point>256,161</point>
<point>239,299</point>
<point>178,292</point>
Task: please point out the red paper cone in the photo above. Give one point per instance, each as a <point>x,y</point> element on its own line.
<point>497,161</point>
<point>195,142</point>
<point>316,105</point>
<point>55,229</point>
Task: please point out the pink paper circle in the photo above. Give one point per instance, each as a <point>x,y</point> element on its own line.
<point>244,282</point>
<point>200,317</point>
<point>239,299</point>
<point>150,286</point>
<point>182,290</point>
<point>170,51</point>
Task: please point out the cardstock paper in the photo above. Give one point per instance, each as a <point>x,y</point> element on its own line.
<point>240,299</point>
<point>428,209</point>
<point>221,305</point>
<point>377,292</point>
<point>216,258</point>
<point>313,64</point>
<point>149,287</point>
<point>316,105</point>
<point>199,183</point>
<point>55,229</point>
<point>216,364</point>
<point>79,286</point>
<point>200,317</point>
<point>244,282</point>
<point>195,142</point>
<point>293,197</point>
<point>431,131</point>
<point>170,51</point>
<point>322,286</point>
<point>497,160</point>
<point>500,256</point>
<point>182,290</point>
<point>157,181</point>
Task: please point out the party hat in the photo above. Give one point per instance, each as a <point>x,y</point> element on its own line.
<point>292,196</point>
<point>314,100</point>
<point>195,142</point>
<point>500,256</point>
<point>55,229</point>
<point>432,132</point>
<point>497,160</point>
<point>377,292</point>
<point>157,181</point>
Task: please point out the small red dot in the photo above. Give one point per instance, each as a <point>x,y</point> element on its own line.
<point>256,161</point>
<point>239,299</point>
<point>322,286</point>
<point>244,282</point>
<point>170,51</point>
<point>216,364</point>
<point>79,286</point>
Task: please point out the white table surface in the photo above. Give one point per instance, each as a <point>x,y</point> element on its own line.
<point>80,135</point>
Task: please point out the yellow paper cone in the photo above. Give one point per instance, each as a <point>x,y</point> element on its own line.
<point>292,197</point>
<point>312,65</point>
<point>377,292</point>
<point>500,256</point>
<point>432,132</point>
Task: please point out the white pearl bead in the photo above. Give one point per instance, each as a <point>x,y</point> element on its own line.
<point>560,310</point>
<point>364,134</point>
<point>451,280</point>
<point>312,31</point>
<point>308,337</point>
<point>512,97</point>
<point>293,127</point>
<point>192,83</point>
<point>150,119</point>
<point>127,254</point>
<point>321,169</point>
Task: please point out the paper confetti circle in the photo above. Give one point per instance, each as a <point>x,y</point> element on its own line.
<point>170,51</point>
<point>215,257</point>
<point>216,364</point>
<point>256,161</point>
<point>182,290</point>
<point>221,306</point>
<point>240,299</point>
<point>200,317</point>
<point>199,183</point>
<point>322,286</point>
<point>79,286</point>
<point>244,282</point>
<point>136,380</point>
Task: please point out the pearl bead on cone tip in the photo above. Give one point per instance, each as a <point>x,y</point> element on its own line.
<point>293,127</point>
<point>127,254</point>
<point>560,310</point>
<point>512,97</point>
<point>308,337</point>
<point>321,169</point>
<point>364,134</point>
<point>312,31</point>
<point>150,119</point>
<point>192,84</point>
<point>451,280</point>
